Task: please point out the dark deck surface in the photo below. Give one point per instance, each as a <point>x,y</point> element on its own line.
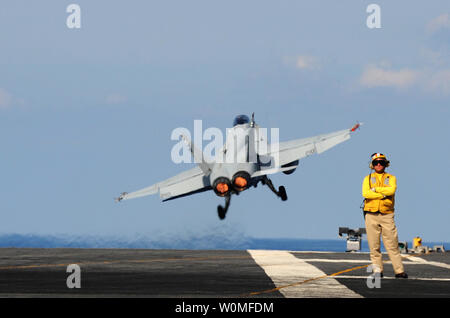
<point>34,272</point>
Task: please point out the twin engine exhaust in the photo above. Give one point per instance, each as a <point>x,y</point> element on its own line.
<point>223,186</point>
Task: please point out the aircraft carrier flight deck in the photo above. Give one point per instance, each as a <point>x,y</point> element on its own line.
<point>40,272</point>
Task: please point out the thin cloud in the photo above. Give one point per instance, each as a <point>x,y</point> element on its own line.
<point>440,22</point>
<point>307,62</point>
<point>302,62</point>
<point>430,81</point>
<point>375,76</point>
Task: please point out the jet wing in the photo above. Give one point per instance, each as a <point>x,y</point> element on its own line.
<point>186,183</point>
<point>293,150</point>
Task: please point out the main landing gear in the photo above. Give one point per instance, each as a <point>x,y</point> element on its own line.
<point>281,190</point>
<point>222,211</point>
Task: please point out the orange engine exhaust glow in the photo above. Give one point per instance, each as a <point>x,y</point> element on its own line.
<point>222,187</point>
<point>240,182</point>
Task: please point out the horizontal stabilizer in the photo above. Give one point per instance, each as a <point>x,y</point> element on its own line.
<point>141,193</point>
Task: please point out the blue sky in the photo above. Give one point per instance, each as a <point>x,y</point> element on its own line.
<point>87,113</point>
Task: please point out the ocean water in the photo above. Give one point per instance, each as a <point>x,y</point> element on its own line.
<point>212,241</point>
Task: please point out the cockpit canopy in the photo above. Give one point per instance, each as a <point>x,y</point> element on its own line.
<point>240,120</point>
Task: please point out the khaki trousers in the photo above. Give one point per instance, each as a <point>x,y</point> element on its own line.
<point>379,224</point>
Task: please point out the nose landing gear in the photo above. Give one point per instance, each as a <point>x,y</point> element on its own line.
<point>222,211</point>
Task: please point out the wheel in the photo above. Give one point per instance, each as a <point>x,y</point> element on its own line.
<point>282,192</point>
<point>221,212</point>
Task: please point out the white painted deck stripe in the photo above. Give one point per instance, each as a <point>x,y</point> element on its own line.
<point>424,261</point>
<point>284,269</point>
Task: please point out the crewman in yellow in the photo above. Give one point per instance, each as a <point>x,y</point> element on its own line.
<point>378,190</point>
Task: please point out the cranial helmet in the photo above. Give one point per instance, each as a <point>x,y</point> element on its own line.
<point>378,156</point>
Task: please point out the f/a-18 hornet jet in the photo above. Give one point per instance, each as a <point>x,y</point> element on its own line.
<point>252,160</point>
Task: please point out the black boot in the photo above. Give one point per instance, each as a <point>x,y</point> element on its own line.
<point>401,275</point>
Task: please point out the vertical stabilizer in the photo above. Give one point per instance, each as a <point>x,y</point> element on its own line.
<point>198,156</point>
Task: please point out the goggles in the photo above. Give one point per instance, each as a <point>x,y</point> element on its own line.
<point>381,162</point>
